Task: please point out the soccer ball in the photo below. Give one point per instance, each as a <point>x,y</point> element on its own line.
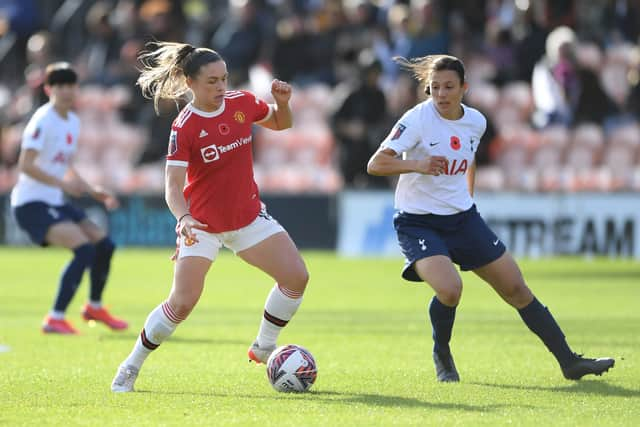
<point>291,368</point>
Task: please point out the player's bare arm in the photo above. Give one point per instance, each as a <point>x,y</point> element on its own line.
<point>27,164</point>
<point>385,162</point>
<point>281,118</point>
<point>175,180</point>
<point>96,192</point>
<point>471,177</point>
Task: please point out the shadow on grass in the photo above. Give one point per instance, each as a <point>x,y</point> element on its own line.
<point>375,400</point>
<point>584,386</point>
<point>378,400</point>
<point>126,336</point>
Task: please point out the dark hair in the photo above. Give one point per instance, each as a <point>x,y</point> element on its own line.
<point>166,65</point>
<point>423,68</point>
<point>60,73</point>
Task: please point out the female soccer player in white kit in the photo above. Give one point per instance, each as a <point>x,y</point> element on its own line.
<point>46,172</point>
<point>432,148</point>
<point>211,191</point>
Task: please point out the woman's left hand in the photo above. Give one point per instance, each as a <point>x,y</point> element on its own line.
<point>281,91</point>
<point>109,200</point>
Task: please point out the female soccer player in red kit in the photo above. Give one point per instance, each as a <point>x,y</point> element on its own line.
<point>211,191</point>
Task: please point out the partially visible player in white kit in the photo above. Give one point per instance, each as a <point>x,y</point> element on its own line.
<point>432,147</point>
<point>210,189</point>
<point>46,172</point>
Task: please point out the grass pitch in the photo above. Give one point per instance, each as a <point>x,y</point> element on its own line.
<point>366,328</point>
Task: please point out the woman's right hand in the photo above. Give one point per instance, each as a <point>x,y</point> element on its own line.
<point>185,228</point>
<point>433,165</point>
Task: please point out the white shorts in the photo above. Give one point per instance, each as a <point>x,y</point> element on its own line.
<point>209,244</point>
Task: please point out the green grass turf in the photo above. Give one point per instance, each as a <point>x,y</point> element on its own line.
<point>366,328</point>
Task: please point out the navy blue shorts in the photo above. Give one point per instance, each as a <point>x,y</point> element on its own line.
<point>36,217</point>
<point>464,237</point>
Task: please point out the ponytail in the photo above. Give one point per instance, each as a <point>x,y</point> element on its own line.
<point>166,66</point>
<point>422,68</point>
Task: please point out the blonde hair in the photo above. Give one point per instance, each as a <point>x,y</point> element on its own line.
<point>422,68</point>
<point>166,66</point>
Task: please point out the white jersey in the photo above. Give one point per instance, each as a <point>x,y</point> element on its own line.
<point>56,140</point>
<point>422,132</point>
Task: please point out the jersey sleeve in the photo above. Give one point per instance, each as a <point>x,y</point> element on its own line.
<point>178,151</point>
<point>33,135</point>
<point>483,125</point>
<point>405,134</point>
<point>261,110</point>
<point>480,127</point>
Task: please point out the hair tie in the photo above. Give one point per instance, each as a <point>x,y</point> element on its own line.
<point>187,214</point>
<point>184,52</point>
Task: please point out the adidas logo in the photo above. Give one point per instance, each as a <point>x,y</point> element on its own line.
<point>203,133</point>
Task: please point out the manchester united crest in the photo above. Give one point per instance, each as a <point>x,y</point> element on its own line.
<point>239,116</point>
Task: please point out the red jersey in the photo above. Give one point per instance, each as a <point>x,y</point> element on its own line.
<point>215,147</point>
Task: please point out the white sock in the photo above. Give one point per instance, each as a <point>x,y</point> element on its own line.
<point>278,310</point>
<point>95,304</point>
<point>159,325</point>
<point>57,315</point>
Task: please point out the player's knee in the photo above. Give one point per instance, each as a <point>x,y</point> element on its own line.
<point>85,254</point>
<point>303,278</point>
<point>299,280</point>
<point>296,280</point>
<point>449,298</point>
<point>182,307</point>
<point>517,294</point>
<point>105,247</point>
<point>450,295</point>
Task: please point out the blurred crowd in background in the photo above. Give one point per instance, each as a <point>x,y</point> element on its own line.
<point>558,81</point>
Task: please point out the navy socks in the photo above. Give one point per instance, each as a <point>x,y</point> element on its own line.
<point>442,318</point>
<point>538,318</point>
<point>100,268</point>
<point>72,275</point>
